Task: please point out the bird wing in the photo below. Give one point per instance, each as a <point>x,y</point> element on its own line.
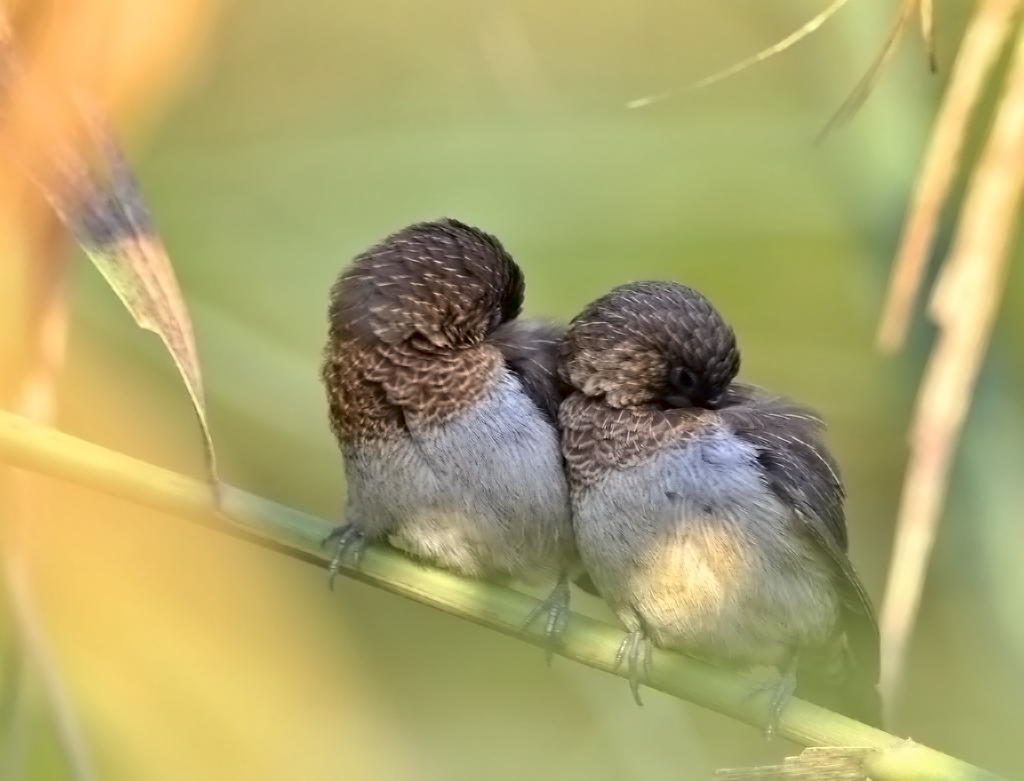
<point>530,350</point>
<point>801,472</point>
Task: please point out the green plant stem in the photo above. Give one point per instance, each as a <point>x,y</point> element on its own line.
<point>34,447</point>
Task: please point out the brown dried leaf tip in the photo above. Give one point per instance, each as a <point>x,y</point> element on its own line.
<point>101,205</point>
<point>105,211</point>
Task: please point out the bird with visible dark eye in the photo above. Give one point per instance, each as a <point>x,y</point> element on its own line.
<point>708,514</point>
<point>685,390</point>
<point>444,406</point>
<point>682,381</point>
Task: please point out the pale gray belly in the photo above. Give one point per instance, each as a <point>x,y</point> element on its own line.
<point>484,494</point>
<point>694,549</point>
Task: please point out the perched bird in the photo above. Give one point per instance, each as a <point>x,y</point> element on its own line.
<point>444,406</point>
<point>708,514</point>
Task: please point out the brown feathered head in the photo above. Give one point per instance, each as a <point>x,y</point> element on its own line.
<point>436,286</point>
<point>650,342</point>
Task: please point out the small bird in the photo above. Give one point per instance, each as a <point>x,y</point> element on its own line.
<point>444,406</point>
<point>708,514</point>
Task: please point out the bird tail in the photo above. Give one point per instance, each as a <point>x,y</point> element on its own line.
<point>842,686</point>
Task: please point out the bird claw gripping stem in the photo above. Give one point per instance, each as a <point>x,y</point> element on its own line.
<point>780,692</point>
<point>635,649</point>
<point>350,542</point>
<point>556,610</point>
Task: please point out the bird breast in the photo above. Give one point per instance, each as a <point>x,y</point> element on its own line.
<point>482,493</point>
<point>694,546</point>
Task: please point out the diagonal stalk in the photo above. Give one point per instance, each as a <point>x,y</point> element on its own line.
<point>28,445</point>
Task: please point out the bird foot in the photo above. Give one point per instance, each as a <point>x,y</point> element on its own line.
<point>350,542</point>
<point>780,693</point>
<point>556,609</point>
<point>636,650</point>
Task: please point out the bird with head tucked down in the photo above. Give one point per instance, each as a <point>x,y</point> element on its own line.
<point>444,405</point>
<point>708,514</point>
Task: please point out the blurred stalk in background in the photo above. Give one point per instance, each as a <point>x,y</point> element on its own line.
<point>966,296</point>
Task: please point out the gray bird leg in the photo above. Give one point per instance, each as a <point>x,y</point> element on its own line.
<point>781,692</point>
<point>636,650</point>
<point>556,608</point>
<point>350,541</point>
<point>781,696</point>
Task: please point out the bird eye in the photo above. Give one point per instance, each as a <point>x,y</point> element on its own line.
<point>682,378</point>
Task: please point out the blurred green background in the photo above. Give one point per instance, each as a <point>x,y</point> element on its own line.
<point>309,130</point>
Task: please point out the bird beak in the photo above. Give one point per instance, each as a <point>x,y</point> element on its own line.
<point>682,401</point>
<point>679,400</point>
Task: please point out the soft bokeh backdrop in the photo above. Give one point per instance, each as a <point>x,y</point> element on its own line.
<point>304,132</point>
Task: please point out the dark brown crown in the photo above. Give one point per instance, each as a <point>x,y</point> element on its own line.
<point>651,342</point>
<point>411,327</point>
<point>435,285</point>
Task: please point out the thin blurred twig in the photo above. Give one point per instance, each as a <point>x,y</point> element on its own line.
<point>805,30</point>
<point>928,33</point>
<point>47,330</point>
<point>32,639</point>
<point>963,306</point>
<point>27,445</point>
<point>14,710</point>
<point>860,92</point>
<point>867,83</point>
